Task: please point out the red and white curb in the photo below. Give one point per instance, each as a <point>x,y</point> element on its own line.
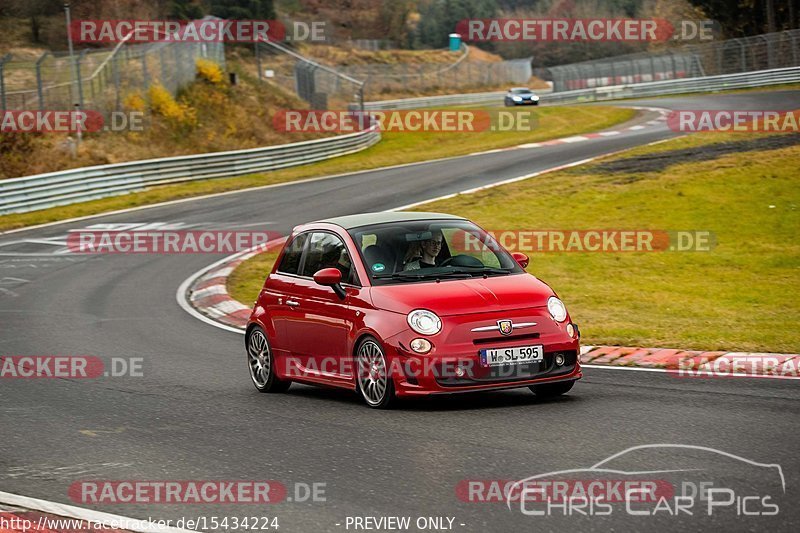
<point>208,294</point>
<point>662,117</point>
<point>692,363</point>
<point>204,295</point>
<point>206,291</point>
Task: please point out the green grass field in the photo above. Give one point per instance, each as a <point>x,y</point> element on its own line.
<point>395,148</point>
<point>741,295</point>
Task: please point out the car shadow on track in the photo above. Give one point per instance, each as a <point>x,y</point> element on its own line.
<point>445,402</point>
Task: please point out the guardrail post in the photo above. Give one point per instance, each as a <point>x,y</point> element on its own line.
<point>258,62</point>
<point>163,66</point>
<point>744,55</point>
<point>5,59</point>
<point>176,58</point>
<point>39,88</point>
<point>78,77</point>
<point>116,75</point>
<point>672,62</point>
<point>145,76</point>
<point>652,68</point>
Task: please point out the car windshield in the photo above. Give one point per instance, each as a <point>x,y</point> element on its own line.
<point>521,91</point>
<point>430,250</point>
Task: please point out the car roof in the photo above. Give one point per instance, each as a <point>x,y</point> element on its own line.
<point>520,89</point>
<point>368,219</point>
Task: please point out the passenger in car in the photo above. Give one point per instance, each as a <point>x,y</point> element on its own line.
<point>422,254</point>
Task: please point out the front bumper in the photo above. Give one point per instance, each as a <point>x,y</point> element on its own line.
<point>420,375</point>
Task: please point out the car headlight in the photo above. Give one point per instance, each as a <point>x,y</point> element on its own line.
<point>535,98</point>
<point>516,98</point>
<point>557,309</point>
<point>424,322</point>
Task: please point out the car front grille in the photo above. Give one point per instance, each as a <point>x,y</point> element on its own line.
<point>510,373</point>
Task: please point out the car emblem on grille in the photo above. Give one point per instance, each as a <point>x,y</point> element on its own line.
<point>505,327</point>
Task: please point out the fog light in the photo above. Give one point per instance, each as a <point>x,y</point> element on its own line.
<point>570,330</point>
<point>421,345</point>
<point>559,360</point>
<point>459,372</point>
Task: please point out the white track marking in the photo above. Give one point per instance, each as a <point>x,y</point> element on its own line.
<point>250,189</point>
<point>182,292</point>
<point>667,371</point>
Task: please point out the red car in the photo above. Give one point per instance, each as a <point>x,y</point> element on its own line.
<point>406,304</point>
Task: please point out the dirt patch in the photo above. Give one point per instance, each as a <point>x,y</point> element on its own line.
<point>661,160</point>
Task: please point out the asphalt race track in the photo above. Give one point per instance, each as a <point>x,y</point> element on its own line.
<point>195,415</point>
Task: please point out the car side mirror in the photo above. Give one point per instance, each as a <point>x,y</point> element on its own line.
<point>521,258</point>
<point>330,277</point>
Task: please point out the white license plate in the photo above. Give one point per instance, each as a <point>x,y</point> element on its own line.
<point>512,356</point>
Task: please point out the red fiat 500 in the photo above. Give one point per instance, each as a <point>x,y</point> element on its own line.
<point>404,304</point>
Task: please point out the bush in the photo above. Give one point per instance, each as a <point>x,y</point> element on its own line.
<point>209,71</point>
<point>164,105</point>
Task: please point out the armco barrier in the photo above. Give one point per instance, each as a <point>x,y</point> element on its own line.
<point>436,101</point>
<point>745,80</point>
<point>30,193</point>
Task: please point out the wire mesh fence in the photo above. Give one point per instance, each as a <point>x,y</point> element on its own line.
<point>382,80</point>
<point>324,87</point>
<point>99,79</point>
<point>732,56</point>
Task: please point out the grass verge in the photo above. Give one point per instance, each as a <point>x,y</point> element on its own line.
<point>395,148</point>
<point>737,296</point>
<point>246,280</point>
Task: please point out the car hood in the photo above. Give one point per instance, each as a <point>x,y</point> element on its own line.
<point>460,297</point>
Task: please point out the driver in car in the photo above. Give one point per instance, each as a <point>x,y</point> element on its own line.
<point>423,254</point>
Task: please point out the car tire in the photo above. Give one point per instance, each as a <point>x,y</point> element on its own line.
<point>373,379</point>
<point>551,390</point>
<point>261,363</point>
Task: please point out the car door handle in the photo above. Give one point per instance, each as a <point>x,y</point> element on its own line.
<point>292,303</point>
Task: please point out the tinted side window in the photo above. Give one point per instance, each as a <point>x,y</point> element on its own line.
<point>328,251</point>
<point>294,251</point>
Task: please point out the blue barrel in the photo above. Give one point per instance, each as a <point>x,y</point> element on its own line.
<point>455,42</point>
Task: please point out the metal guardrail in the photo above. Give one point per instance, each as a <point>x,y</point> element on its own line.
<point>744,80</point>
<point>31,193</point>
<point>436,101</point>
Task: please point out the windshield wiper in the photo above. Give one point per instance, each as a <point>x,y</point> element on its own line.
<point>484,270</point>
<point>414,275</point>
